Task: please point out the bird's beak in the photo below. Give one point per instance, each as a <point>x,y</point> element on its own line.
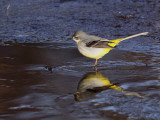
<point>72,38</point>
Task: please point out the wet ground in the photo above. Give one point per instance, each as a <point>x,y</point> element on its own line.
<point>44,77</point>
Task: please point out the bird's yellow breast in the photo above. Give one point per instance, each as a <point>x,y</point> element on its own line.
<point>94,53</point>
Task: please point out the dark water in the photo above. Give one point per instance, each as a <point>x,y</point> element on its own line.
<point>35,39</point>
<point>30,91</point>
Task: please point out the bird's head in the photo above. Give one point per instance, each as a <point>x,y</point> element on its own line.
<point>78,36</point>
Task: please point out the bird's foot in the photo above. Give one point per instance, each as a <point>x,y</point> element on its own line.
<point>95,68</point>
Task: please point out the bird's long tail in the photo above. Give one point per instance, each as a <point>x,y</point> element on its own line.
<point>115,42</point>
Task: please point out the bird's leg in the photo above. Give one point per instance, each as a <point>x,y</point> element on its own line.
<point>95,66</point>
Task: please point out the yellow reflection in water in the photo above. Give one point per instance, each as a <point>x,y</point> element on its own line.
<point>93,83</point>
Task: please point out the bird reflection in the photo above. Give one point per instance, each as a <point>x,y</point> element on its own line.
<point>93,83</point>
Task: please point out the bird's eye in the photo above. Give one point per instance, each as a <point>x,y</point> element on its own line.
<point>76,38</point>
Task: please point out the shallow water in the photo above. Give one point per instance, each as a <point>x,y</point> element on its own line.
<point>30,91</point>
<point>43,76</point>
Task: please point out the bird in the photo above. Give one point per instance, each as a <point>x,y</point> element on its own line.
<point>96,47</point>
<point>91,84</point>
<point>94,82</point>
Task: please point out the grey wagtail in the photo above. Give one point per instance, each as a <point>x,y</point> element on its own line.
<point>96,47</point>
<point>93,83</point>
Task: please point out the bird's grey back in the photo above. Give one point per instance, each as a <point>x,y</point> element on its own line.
<point>92,40</point>
<point>88,38</point>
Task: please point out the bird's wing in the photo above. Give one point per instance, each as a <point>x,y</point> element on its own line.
<point>99,44</point>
